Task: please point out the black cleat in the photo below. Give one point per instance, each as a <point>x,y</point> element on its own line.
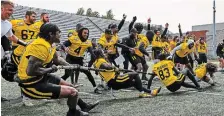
<point>77,113</point>
<point>90,106</point>
<point>200,89</point>
<point>97,91</point>
<point>4,99</point>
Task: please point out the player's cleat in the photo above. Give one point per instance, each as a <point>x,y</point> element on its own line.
<point>27,102</point>
<point>155,91</point>
<point>77,113</point>
<point>200,89</point>
<point>144,95</point>
<point>144,82</point>
<point>90,106</point>
<point>97,91</point>
<point>3,99</point>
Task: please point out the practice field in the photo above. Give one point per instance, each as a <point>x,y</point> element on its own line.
<point>185,102</point>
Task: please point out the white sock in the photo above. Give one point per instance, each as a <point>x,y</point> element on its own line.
<point>196,78</point>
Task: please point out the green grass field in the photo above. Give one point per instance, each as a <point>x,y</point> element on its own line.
<point>185,102</point>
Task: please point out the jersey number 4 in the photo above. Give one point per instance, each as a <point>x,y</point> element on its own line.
<point>24,34</point>
<point>202,47</point>
<point>77,50</point>
<point>164,73</point>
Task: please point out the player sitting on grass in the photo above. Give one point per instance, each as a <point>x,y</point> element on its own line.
<point>116,81</point>
<point>170,76</point>
<point>205,68</point>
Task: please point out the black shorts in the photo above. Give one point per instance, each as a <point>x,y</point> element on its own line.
<point>155,52</point>
<point>134,59</point>
<point>47,88</point>
<point>74,60</point>
<point>177,84</point>
<point>203,58</point>
<point>181,60</point>
<point>15,59</point>
<point>121,82</point>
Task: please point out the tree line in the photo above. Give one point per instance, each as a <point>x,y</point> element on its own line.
<point>89,12</point>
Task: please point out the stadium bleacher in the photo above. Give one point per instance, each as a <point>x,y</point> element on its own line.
<point>67,21</point>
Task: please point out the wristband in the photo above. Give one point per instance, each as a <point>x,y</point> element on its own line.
<point>20,42</point>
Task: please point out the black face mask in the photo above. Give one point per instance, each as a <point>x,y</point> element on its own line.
<point>191,45</point>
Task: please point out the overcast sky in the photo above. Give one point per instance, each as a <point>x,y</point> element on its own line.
<point>186,12</point>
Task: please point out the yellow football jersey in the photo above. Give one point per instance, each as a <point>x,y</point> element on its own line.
<point>40,49</point>
<point>166,47</point>
<point>18,51</point>
<point>115,38</point>
<point>143,39</point>
<point>106,76</point>
<point>156,41</point>
<point>137,51</point>
<point>164,70</point>
<point>200,71</point>
<point>108,45</point>
<point>184,51</point>
<point>39,23</point>
<point>23,31</point>
<point>78,47</point>
<point>75,33</point>
<point>172,44</point>
<point>202,48</point>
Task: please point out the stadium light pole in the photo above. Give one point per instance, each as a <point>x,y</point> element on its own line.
<point>214,29</point>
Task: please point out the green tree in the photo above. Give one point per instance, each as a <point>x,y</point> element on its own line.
<point>80,11</point>
<point>95,14</point>
<point>109,14</point>
<point>89,12</point>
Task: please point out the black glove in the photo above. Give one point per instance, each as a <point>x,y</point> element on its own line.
<point>134,19</point>
<point>124,16</point>
<point>54,68</point>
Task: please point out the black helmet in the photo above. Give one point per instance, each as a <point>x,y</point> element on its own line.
<point>8,71</point>
<point>211,67</point>
<point>98,53</point>
<point>78,26</point>
<point>112,25</point>
<point>46,28</point>
<point>139,27</point>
